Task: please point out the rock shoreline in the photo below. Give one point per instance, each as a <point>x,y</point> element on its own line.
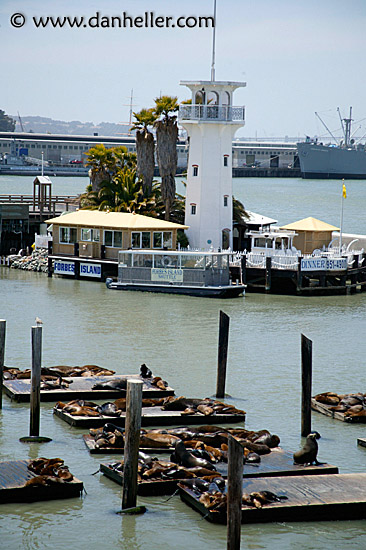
<point>37,261</point>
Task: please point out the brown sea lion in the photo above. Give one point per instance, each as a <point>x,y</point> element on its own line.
<point>328,398</point>
<point>308,454</point>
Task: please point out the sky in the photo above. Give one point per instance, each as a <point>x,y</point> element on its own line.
<point>297,58</point>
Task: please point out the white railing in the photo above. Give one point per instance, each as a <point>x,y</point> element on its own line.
<point>41,241</point>
<point>212,113</point>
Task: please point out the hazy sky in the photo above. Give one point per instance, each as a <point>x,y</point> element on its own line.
<point>297,57</point>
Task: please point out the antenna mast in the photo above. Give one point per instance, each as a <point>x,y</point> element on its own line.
<point>326,127</point>
<point>213,46</point>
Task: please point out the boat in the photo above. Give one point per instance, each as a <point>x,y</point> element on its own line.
<point>346,159</point>
<point>189,272</point>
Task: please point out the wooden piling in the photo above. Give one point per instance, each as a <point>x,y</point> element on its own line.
<point>222,354</point>
<point>234,493</point>
<point>244,269</point>
<point>132,440</point>
<point>35,398</point>
<point>268,274</point>
<point>306,375</point>
<point>2,357</point>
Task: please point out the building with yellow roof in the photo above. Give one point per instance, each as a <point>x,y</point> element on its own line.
<point>311,234</point>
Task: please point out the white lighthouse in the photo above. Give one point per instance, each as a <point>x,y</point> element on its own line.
<point>211,121</point>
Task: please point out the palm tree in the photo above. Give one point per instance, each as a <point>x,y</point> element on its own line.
<point>145,147</point>
<point>166,144</point>
<point>123,193</point>
<point>104,162</point>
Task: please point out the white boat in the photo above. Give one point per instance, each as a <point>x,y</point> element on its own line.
<point>194,273</point>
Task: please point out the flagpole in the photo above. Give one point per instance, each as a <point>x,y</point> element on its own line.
<point>341,227</point>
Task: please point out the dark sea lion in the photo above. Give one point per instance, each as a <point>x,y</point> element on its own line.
<point>308,454</point>
<point>252,458</point>
<point>145,372</point>
<point>109,409</point>
<point>187,459</point>
<point>118,384</point>
<point>271,440</point>
<point>108,427</point>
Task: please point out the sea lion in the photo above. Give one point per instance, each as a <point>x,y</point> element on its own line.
<point>109,409</point>
<point>117,384</point>
<point>184,457</point>
<point>328,398</point>
<point>271,440</point>
<point>145,372</point>
<point>308,454</point>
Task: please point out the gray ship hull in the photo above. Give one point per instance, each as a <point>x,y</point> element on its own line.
<point>327,162</point>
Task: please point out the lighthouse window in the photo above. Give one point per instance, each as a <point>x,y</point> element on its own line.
<point>195,170</point>
<point>225,200</point>
<point>193,209</point>
<point>225,160</point>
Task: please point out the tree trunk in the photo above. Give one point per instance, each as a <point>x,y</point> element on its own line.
<point>97,176</point>
<point>166,145</point>
<point>145,147</point>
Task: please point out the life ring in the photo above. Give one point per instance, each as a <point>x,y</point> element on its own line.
<point>166,261</point>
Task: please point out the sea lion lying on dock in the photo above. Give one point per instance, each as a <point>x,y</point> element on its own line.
<point>48,470</point>
<point>185,458</point>
<point>117,384</point>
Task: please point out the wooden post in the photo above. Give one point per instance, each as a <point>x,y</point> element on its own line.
<point>35,395</point>
<point>222,354</point>
<point>234,493</point>
<point>244,269</point>
<point>299,275</point>
<point>2,357</point>
<point>268,281</point>
<point>306,374</point>
<point>132,441</point>
<point>49,261</point>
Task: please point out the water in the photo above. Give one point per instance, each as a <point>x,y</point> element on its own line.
<point>176,337</point>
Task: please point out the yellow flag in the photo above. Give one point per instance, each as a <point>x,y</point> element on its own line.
<point>344,192</point>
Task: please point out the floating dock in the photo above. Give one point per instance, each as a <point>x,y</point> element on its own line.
<point>279,463</point>
<point>15,474</point>
<point>81,388</point>
<point>151,416</point>
<point>90,444</point>
<point>309,498</point>
<point>146,487</point>
<point>362,441</point>
<point>326,410</point>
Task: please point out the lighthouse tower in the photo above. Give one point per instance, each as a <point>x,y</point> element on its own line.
<point>211,121</point>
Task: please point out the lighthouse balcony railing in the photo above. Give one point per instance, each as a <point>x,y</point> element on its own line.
<point>212,113</point>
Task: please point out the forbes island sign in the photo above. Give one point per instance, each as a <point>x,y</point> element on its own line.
<point>323,264</point>
<point>167,275</point>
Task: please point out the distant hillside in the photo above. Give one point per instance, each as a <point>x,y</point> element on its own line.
<point>39,124</point>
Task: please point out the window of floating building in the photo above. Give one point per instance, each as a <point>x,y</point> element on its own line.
<point>193,209</point>
<point>68,235</point>
<point>113,239</point>
<point>226,160</point>
<point>195,169</point>
<point>140,239</point>
<point>162,239</point>
<point>226,200</point>
<point>88,234</point>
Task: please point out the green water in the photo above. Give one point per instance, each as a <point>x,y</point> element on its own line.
<point>176,337</point>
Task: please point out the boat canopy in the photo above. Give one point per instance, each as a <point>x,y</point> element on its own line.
<point>187,259</point>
